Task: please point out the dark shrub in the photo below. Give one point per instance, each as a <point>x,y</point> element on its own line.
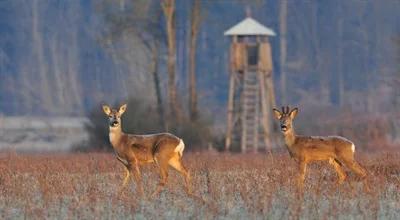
<point>143,118</point>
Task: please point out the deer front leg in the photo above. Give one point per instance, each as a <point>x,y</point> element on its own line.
<point>127,176</point>
<point>302,173</point>
<point>127,167</point>
<point>138,179</point>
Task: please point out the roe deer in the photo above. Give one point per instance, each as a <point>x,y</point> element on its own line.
<point>134,150</point>
<point>334,149</point>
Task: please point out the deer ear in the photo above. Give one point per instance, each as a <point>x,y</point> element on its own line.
<point>293,113</point>
<point>106,109</point>
<point>277,114</point>
<point>122,109</point>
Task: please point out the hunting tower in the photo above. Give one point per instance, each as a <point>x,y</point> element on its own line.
<point>251,93</point>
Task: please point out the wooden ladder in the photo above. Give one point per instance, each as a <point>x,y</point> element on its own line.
<point>250,112</point>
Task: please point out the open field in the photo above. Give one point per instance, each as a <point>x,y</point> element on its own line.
<point>85,186</point>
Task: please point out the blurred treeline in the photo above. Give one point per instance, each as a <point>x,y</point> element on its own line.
<point>66,57</point>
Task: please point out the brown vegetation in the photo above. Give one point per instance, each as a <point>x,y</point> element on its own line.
<point>233,186</point>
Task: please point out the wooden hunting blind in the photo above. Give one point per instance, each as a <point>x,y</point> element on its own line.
<point>251,93</point>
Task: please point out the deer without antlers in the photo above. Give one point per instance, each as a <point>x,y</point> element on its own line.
<point>134,150</point>
<point>334,149</point>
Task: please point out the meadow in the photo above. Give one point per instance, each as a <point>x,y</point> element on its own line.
<point>226,186</point>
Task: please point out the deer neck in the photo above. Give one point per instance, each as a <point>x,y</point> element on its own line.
<point>290,139</point>
<point>115,136</point>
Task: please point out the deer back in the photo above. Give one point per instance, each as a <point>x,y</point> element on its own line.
<point>144,147</point>
<point>320,148</point>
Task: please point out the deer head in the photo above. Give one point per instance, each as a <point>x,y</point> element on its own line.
<point>114,115</point>
<point>286,118</point>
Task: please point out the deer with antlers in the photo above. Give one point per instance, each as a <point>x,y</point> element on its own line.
<point>135,150</point>
<point>305,149</point>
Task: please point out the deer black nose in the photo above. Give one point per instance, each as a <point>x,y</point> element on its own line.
<point>114,123</point>
<point>284,127</point>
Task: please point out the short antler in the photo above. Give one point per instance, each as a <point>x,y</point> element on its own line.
<point>285,110</point>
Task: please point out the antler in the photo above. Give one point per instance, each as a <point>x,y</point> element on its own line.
<point>285,110</point>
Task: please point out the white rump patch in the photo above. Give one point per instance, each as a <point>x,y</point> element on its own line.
<point>180,147</point>
<point>353,148</point>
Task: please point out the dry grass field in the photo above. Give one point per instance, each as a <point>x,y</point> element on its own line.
<point>227,186</point>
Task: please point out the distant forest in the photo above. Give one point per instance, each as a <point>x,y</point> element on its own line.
<point>62,57</point>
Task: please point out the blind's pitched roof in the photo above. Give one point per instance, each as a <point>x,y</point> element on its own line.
<point>249,26</point>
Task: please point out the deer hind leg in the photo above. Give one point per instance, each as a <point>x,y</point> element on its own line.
<point>339,170</point>
<point>348,159</point>
<point>176,163</point>
<point>355,167</point>
<point>163,166</point>
<point>358,169</point>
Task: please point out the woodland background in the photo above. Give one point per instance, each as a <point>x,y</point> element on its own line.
<point>64,58</point>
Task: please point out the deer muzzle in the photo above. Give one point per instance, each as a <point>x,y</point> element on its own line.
<point>114,123</point>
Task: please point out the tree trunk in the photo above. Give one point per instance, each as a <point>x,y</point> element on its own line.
<point>58,76</point>
<point>44,90</point>
<point>195,19</point>
<point>169,12</point>
<point>316,51</point>
<point>72,61</point>
<point>283,45</point>
<point>340,58</point>
<point>396,80</point>
<point>156,80</point>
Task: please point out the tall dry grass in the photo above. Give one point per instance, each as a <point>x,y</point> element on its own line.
<point>236,186</point>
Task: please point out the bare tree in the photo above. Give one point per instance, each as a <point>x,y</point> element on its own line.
<point>195,20</point>
<point>156,79</point>
<point>283,46</point>
<point>397,77</point>
<point>340,56</point>
<point>393,79</point>
<point>168,7</point>
<point>39,53</point>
